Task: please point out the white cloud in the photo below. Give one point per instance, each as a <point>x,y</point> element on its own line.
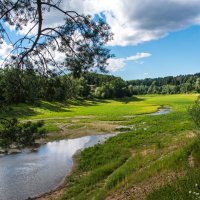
<point>134,22</point>
<point>1,63</point>
<point>139,62</point>
<point>5,49</point>
<point>138,56</point>
<point>116,64</point>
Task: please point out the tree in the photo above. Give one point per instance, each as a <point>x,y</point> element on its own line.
<point>80,38</point>
<point>118,87</point>
<point>105,91</point>
<point>197,85</point>
<point>185,87</point>
<point>152,89</point>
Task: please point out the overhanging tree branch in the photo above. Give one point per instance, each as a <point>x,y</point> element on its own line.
<point>80,38</point>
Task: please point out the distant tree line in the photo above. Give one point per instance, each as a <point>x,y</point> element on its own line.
<point>167,85</point>
<point>29,86</point>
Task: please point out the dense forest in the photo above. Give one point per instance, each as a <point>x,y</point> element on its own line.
<point>167,85</point>
<point>28,86</point>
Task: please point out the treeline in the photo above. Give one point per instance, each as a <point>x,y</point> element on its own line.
<point>28,86</point>
<point>167,85</point>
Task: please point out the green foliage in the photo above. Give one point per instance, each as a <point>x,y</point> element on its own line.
<point>194,111</point>
<point>197,85</point>
<point>167,85</point>
<point>87,52</point>
<point>28,86</point>
<point>12,132</point>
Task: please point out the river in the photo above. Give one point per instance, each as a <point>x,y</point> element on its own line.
<point>29,174</point>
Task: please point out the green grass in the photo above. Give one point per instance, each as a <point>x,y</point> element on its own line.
<point>154,148</point>
<point>107,108</point>
<point>186,186</point>
<point>102,108</point>
<point>121,163</point>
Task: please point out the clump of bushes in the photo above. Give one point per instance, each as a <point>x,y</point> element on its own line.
<point>194,111</point>
<point>18,134</point>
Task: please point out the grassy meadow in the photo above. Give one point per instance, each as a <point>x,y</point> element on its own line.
<point>155,157</point>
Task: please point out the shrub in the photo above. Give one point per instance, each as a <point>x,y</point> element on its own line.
<point>194,111</point>
<point>13,132</point>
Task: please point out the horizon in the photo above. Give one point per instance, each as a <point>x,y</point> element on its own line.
<point>192,74</point>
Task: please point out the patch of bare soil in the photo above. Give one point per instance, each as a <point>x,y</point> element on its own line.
<point>191,135</point>
<point>95,128</point>
<point>140,191</point>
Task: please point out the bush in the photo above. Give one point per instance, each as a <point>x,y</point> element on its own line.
<point>13,132</point>
<point>194,111</point>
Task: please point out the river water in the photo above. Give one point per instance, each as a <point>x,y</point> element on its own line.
<point>29,174</point>
<point>161,111</point>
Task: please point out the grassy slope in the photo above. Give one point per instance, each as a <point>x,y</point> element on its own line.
<point>137,164</point>
<point>142,162</point>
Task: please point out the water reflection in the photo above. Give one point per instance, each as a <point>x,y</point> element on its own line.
<point>33,173</point>
<point>161,111</point>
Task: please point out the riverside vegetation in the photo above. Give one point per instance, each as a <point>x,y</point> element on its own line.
<point>155,157</point>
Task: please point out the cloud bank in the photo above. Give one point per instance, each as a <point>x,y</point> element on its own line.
<point>135,22</point>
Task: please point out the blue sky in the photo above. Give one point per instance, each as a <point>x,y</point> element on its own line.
<point>175,54</point>
<point>152,38</point>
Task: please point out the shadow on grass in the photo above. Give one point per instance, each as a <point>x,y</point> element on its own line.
<point>86,102</point>
<point>26,110</point>
<point>52,106</point>
<point>93,102</point>
<point>19,111</point>
<point>127,100</point>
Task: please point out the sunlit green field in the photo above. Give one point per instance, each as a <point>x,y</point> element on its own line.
<point>101,108</point>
